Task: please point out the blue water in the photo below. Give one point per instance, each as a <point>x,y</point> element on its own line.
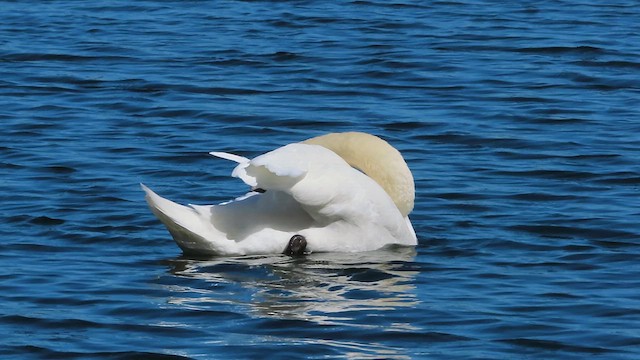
<point>519,120</point>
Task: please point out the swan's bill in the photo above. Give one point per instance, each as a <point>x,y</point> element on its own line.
<point>296,246</point>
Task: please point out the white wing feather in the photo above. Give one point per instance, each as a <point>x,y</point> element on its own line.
<point>228,156</point>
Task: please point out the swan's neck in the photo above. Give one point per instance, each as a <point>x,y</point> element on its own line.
<point>376,158</point>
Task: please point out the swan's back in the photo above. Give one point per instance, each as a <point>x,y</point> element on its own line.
<point>376,158</point>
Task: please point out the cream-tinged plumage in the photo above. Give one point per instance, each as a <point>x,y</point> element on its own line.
<point>343,192</point>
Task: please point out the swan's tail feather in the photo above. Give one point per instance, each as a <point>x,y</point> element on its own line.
<point>186,226</point>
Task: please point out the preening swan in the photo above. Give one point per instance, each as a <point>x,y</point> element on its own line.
<point>340,192</point>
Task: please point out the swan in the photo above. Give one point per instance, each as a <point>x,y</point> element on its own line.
<point>339,192</point>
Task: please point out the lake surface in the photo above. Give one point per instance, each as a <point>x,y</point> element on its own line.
<point>520,122</point>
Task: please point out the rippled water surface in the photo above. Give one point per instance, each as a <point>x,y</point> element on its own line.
<point>520,121</point>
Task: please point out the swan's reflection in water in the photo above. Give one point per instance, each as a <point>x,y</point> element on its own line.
<point>322,288</point>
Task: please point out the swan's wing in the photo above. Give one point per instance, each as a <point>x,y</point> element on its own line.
<point>276,170</point>
<point>281,168</point>
<point>313,175</point>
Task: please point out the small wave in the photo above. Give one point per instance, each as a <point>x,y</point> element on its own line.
<point>560,50</point>
<point>46,57</point>
<point>556,346</point>
<point>46,221</point>
<point>558,231</point>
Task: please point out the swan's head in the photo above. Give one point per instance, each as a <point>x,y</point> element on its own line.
<point>376,158</point>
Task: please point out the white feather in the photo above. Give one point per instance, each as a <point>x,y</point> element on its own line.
<point>227,156</point>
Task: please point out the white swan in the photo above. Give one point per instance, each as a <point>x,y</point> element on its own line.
<point>312,192</point>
